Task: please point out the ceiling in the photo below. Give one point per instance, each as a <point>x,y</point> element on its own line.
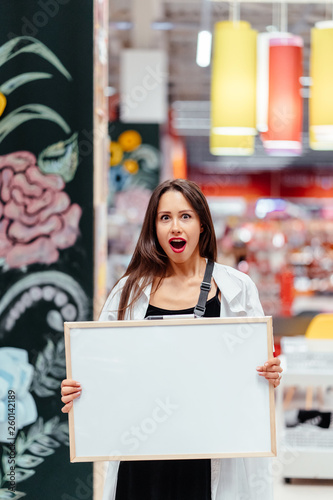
<point>187,81</point>
<point>176,25</point>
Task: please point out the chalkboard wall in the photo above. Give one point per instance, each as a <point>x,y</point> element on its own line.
<point>46,235</point>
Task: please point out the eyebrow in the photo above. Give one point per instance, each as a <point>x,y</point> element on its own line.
<point>180,211</point>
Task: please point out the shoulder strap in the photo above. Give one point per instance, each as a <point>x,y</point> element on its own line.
<point>205,287</point>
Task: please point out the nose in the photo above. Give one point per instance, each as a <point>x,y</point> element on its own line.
<point>175,226</point>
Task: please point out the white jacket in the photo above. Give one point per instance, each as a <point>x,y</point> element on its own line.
<point>231,478</point>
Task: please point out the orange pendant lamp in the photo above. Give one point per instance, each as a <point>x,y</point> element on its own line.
<point>233,91</point>
<point>280,106</point>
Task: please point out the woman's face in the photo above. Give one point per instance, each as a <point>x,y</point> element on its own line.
<point>178,227</point>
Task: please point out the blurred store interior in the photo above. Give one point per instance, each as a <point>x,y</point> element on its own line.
<point>270,190</point>
<point>101,100</point>
<point>273,210</point>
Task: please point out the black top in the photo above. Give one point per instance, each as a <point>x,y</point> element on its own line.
<point>213,307</point>
<point>168,479</point>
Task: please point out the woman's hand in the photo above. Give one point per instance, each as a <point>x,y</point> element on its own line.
<point>271,370</point>
<point>70,389</point>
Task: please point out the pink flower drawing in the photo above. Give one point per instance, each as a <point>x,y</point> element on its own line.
<point>36,215</point>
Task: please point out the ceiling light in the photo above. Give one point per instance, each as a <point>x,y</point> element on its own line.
<point>233,91</point>
<point>279,99</point>
<point>204,47</point>
<point>321,100</point>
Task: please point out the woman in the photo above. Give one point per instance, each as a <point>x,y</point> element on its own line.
<point>164,277</point>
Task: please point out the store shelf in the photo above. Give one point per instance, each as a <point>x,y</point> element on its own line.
<point>306,450</point>
<point>307,436</point>
<point>307,463</point>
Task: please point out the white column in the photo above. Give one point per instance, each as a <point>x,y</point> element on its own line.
<point>144,13</point>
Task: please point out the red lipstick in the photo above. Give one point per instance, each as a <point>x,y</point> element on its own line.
<point>177,244</point>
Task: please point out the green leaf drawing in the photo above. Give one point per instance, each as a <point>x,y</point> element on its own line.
<point>43,392</point>
<point>41,362</point>
<point>50,383</point>
<point>23,474</point>
<point>28,461</point>
<point>10,495</point>
<point>49,350</point>
<point>62,433</point>
<point>49,362</point>
<point>32,448</point>
<point>35,429</point>
<point>41,450</point>
<point>42,438</point>
<point>48,441</point>
<point>30,112</point>
<point>24,44</point>
<point>51,425</point>
<point>57,371</point>
<point>61,158</point>
<point>5,464</point>
<point>20,443</point>
<point>12,84</point>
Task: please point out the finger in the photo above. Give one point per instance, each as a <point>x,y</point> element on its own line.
<point>261,368</point>
<point>272,362</point>
<point>275,382</point>
<point>69,382</point>
<point>67,407</point>
<point>70,397</point>
<point>270,375</point>
<point>275,368</point>
<point>65,391</point>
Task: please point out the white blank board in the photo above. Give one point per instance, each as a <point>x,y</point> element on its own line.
<point>168,389</point>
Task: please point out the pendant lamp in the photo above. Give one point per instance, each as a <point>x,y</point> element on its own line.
<point>233,91</point>
<point>321,96</point>
<point>279,100</point>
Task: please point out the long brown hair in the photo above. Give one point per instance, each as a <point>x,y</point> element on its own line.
<point>149,259</point>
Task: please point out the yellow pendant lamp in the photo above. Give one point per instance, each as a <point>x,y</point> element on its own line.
<point>321,97</point>
<point>233,91</point>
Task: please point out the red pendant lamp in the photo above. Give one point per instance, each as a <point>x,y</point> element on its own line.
<point>282,132</point>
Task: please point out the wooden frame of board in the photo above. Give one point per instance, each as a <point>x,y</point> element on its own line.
<point>182,388</point>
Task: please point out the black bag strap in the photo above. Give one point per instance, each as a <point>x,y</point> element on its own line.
<point>205,287</point>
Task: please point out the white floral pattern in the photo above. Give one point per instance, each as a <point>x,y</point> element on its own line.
<point>16,374</point>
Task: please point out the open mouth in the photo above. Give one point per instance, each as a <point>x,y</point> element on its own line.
<point>177,245</point>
